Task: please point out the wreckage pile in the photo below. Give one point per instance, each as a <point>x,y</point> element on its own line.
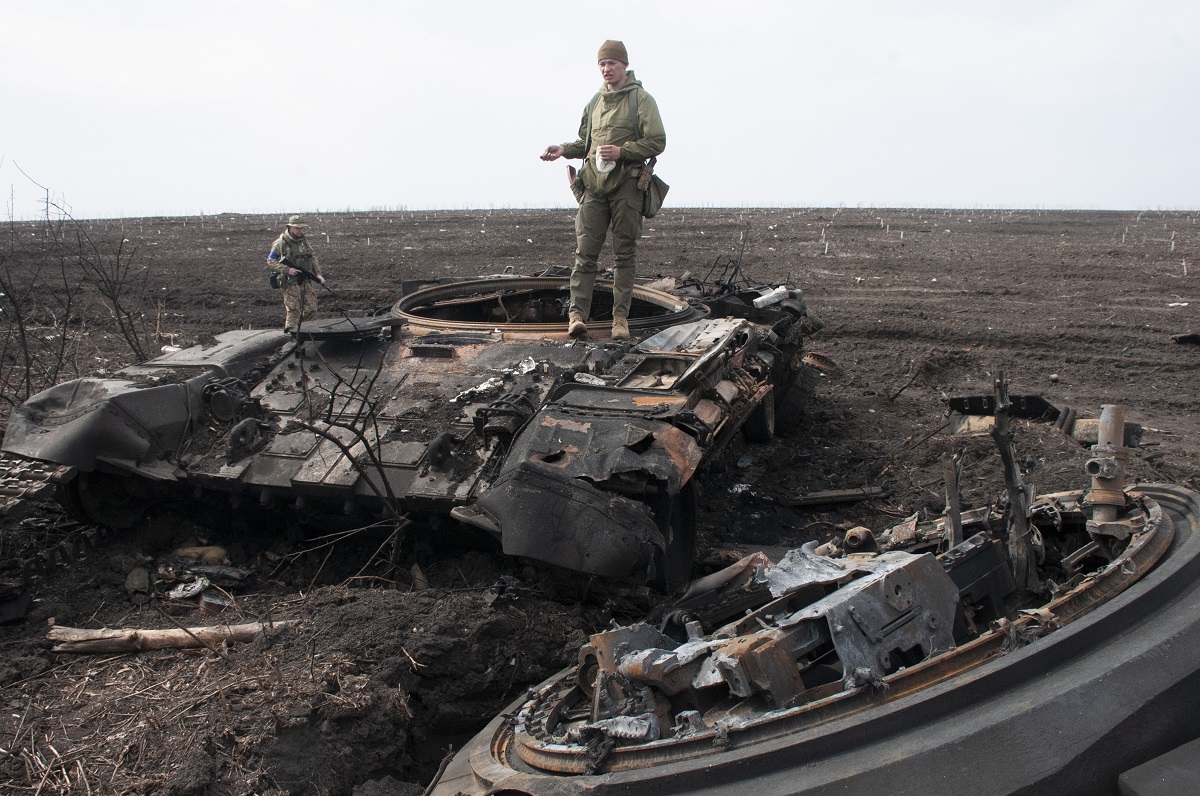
<point>769,654</point>
<point>464,410</point>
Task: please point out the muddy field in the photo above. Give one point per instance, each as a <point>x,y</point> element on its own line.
<point>386,668</point>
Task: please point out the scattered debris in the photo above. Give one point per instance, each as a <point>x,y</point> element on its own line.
<point>214,601</point>
<point>830,496</point>
<point>14,603</point>
<point>204,554</point>
<point>139,581</point>
<point>976,414</point>
<point>483,390</point>
<point>1025,407</point>
<point>186,591</point>
<point>952,471</point>
<point>765,656</point>
<point>419,581</point>
<point>822,363</point>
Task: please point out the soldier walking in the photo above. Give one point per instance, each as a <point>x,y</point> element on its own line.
<point>620,130</point>
<point>295,266</point>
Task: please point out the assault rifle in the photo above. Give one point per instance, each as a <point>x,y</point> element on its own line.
<point>304,272</point>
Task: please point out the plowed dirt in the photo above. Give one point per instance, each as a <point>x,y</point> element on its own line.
<point>385,669</point>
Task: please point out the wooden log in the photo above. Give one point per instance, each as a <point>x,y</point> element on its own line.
<point>75,639</point>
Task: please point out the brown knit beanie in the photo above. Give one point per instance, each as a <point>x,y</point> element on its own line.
<point>615,50</point>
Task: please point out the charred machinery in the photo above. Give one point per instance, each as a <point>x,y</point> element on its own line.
<point>466,401</point>
<point>910,661</point>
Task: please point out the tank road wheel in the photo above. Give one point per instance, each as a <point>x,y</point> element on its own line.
<point>673,568</point>
<point>793,405</point>
<point>114,501</point>
<point>760,425</point>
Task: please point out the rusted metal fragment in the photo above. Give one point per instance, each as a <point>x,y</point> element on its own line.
<point>134,422</point>
<point>1026,407</point>
<point>852,495</point>
<point>890,611</point>
<point>550,421</point>
<point>634,455</point>
<point>975,414</point>
<point>658,400</point>
<point>1086,431</point>
<point>903,533</point>
<point>549,516</point>
<point>766,664</point>
<point>866,670</point>
<point>638,728</point>
<point>888,632</point>
<point>709,413</point>
<point>800,568</point>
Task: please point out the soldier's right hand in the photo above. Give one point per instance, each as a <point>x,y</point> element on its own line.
<point>293,271</point>
<point>553,152</point>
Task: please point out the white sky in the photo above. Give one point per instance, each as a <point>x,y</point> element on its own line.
<point>165,107</point>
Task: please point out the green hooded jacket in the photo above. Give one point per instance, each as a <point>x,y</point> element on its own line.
<point>611,118</point>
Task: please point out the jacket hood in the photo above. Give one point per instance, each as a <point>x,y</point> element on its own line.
<point>631,82</point>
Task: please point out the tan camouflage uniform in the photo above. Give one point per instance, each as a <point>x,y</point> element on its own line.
<point>299,294</point>
<point>612,200</point>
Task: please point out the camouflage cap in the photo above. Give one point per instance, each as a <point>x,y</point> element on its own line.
<point>296,221</point>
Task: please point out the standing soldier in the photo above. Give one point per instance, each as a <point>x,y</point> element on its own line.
<point>295,265</point>
<point>620,130</point>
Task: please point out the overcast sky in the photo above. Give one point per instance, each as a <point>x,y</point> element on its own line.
<point>129,108</point>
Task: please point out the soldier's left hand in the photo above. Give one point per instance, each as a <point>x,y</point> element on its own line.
<point>320,279</point>
<point>609,152</point>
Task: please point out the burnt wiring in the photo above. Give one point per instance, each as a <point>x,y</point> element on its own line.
<point>726,275</point>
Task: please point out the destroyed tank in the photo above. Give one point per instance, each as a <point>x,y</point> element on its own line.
<point>1048,645</point>
<point>464,405</point>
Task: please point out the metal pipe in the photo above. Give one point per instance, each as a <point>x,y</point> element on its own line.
<point>1107,470</point>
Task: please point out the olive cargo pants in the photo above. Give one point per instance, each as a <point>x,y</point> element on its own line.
<point>622,211</point>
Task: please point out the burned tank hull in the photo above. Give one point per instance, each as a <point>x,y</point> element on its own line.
<point>466,401</point>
